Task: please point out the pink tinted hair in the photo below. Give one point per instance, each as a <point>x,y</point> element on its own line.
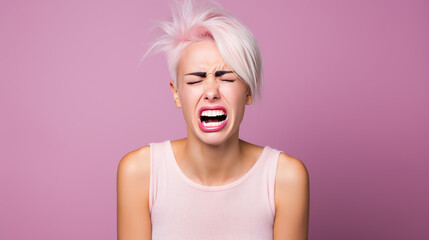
<point>208,20</point>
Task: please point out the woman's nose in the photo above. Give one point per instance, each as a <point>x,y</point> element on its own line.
<point>211,89</point>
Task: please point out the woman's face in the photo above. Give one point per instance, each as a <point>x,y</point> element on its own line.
<point>211,95</point>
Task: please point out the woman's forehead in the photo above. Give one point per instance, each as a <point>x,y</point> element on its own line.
<point>202,55</point>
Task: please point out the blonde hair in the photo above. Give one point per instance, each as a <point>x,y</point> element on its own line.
<point>208,20</point>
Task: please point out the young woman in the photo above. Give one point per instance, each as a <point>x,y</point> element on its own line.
<point>211,184</point>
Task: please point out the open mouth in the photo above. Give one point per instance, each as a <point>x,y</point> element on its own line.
<point>212,118</point>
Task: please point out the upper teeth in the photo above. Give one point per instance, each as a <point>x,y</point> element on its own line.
<point>212,113</point>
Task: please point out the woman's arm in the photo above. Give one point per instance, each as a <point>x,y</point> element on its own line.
<point>133,214</point>
<point>291,200</point>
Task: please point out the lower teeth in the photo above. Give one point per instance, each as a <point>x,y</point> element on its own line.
<point>212,124</point>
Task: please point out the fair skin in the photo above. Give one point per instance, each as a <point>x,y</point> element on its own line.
<point>211,158</point>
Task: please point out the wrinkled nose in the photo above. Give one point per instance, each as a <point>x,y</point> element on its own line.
<point>211,89</point>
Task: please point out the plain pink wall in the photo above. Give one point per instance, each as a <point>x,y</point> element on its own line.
<point>346,91</point>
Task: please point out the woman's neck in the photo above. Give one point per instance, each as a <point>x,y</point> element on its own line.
<point>211,165</point>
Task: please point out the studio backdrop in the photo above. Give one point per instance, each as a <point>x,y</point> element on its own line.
<point>346,90</point>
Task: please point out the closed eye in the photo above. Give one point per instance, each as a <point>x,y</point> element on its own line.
<point>194,82</point>
<point>228,80</point>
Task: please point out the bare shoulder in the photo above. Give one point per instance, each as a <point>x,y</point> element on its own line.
<point>290,170</point>
<point>136,162</point>
<point>291,196</point>
<point>133,183</point>
<point>134,173</point>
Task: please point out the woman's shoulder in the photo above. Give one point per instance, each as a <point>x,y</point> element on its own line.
<point>291,178</point>
<point>133,184</point>
<point>287,164</point>
<point>135,163</point>
<point>292,198</point>
<point>290,169</point>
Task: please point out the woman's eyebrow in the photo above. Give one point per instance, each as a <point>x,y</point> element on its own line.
<point>220,73</point>
<point>199,74</point>
<point>204,74</point>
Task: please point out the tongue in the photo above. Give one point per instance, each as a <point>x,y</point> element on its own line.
<point>211,120</point>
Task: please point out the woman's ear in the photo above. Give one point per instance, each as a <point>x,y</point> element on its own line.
<point>175,95</point>
<point>249,99</point>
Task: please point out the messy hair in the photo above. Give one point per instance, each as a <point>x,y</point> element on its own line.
<point>209,21</point>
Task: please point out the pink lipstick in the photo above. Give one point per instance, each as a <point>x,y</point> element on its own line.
<point>212,119</point>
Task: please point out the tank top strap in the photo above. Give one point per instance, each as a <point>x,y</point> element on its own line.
<point>158,163</point>
<point>270,169</point>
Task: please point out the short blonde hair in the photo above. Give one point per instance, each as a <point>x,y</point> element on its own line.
<point>208,20</point>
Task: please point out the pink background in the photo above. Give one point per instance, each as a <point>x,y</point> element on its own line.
<point>346,91</point>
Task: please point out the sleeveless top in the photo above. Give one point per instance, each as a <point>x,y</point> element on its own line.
<point>184,210</point>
